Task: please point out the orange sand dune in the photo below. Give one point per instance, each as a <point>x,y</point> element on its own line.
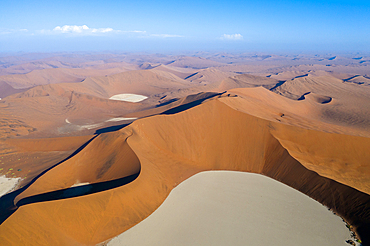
<point>23,67</point>
<point>6,90</point>
<point>143,82</point>
<point>55,75</point>
<point>48,144</point>
<point>180,72</point>
<point>208,76</point>
<point>51,110</point>
<point>90,166</point>
<point>171,148</point>
<point>29,157</point>
<point>348,102</point>
<point>246,80</point>
<point>194,62</point>
<point>308,112</point>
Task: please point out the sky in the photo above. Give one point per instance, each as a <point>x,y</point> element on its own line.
<point>159,26</point>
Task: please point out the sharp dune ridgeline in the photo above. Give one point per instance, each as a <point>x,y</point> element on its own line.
<point>91,177</point>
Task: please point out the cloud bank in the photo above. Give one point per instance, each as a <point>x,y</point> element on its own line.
<point>235,36</point>
<point>85,30</point>
<point>81,29</point>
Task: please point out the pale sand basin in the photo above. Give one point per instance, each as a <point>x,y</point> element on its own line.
<point>235,208</point>
<point>128,97</point>
<point>77,184</point>
<point>119,119</point>
<point>7,184</point>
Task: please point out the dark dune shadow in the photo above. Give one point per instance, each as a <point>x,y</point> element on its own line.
<point>326,100</point>
<point>191,75</point>
<point>64,194</point>
<point>348,79</point>
<point>111,128</point>
<point>303,96</point>
<point>184,107</point>
<point>77,191</point>
<point>301,76</point>
<point>167,102</point>
<point>277,85</point>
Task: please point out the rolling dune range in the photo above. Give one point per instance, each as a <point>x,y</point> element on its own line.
<point>91,171</point>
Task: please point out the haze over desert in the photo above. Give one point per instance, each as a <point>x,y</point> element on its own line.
<point>184,123</point>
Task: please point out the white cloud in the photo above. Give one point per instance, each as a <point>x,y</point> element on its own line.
<point>84,30</point>
<point>81,29</point>
<point>235,36</point>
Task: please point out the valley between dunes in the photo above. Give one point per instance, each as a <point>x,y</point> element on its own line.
<point>91,167</point>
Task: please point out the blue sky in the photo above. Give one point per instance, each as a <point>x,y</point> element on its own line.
<point>184,25</point>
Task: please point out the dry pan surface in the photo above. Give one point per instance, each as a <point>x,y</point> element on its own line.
<point>7,184</point>
<point>128,97</point>
<point>237,208</point>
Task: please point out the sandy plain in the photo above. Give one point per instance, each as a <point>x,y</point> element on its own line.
<point>302,120</point>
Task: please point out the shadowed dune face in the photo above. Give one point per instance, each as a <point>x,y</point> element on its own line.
<point>171,148</point>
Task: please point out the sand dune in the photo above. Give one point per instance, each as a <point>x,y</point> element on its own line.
<point>55,75</point>
<point>246,81</point>
<point>6,90</point>
<point>59,104</point>
<point>193,62</point>
<point>179,72</point>
<point>354,99</point>
<point>29,157</point>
